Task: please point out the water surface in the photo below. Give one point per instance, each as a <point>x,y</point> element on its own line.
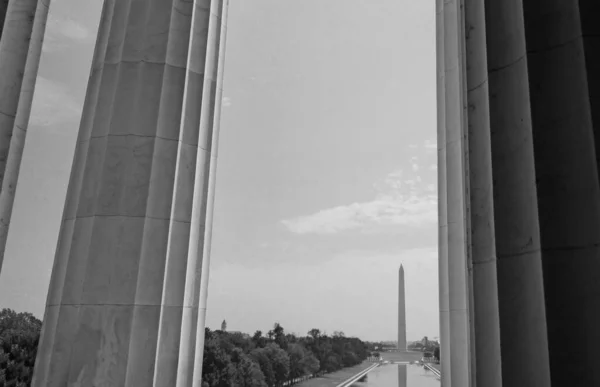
<point>399,375</point>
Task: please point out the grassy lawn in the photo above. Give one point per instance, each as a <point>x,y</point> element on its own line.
<point>335,378</point>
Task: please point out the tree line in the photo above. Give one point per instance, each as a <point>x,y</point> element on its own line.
<point>275,359</point>
<point>230,359</point>
<point>19,337</point>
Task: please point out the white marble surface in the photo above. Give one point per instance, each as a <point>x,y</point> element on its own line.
<point>484,311</point>
<point>456,212</point>
<point>520,279</point>
<point>445,337</point>
<point>20,51</point>
<point>131,269</point>
<point>568,190</point>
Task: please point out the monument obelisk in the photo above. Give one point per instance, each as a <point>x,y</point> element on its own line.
<point>401,313</point>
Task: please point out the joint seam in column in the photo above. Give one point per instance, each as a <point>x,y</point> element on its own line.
<point>478,86</point>
<point>493,70</point>
<point>485,261</point>
<point>516,255</point>
<point>146,136</point>
<point>125,305</point>
<point>557,45</point>
<point>8,115</point>
<point>571,248</point>
<point>128,216</point>
<point>161,63</point>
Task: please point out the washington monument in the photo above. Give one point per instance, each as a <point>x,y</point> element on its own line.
<point>401,312</point>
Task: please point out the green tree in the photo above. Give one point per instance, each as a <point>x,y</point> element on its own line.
<point>19,338</point>
<point>314,333</point>
<point>244,372</point>
<point>278,335</point>
<point>259,340</point>
<point>280,362</point>
<point>215,362</point>
<point>259,355</point>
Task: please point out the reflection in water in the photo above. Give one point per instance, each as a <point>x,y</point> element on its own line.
<point>401,375</point>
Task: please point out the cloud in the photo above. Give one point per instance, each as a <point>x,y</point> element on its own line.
<point>52,104</point>
<point>62,31</point>
<point>399,204</point>
<point>226,102</point>
<point>430,145</point>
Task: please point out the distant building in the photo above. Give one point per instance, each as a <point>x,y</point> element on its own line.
<point>401,312</point>
<point>224,326</point>
<point>244,335</point>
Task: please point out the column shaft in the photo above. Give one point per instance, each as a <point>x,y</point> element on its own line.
<point>20,51</point>
<point>520,283</point>
<point>127,297</point>
<point>567,187</point>
<point>590,31</point>
<point>3,7</point>
<point>445,338</point>
<point>455,185</point>
<point>483,244</point>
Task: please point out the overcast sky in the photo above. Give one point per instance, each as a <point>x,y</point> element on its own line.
<point>326,174</point>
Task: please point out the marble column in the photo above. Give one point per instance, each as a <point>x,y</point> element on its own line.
<point>590,31</point>
<point>567,187</point>
<point>3,7</point>
<point>127,297</point>
<point>455,178</point>
<point>445,338</point>
<point>20,51</point>
<point>523,335</point>
<point>486,321</point>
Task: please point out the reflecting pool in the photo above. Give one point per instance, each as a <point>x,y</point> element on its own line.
<point>399,375</point>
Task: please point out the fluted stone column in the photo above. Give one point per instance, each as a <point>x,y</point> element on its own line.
<point>20,51</point>
<point>590,31</point>
<point>3,7</point>
<point>455,178</point>
<point>567,187</point>
<point>445,338</point>
<point>486,321</point>
<point>520,281</point>
<point>127,297</point>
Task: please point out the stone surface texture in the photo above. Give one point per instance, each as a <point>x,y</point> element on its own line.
<point>531,190</point>
<point>455,196</point>
<point>444,300</point>
<point>20,51</point>
<point>484,312</point>
<point>127,298</point>
<point>518,94</point>
<point>567,187</point>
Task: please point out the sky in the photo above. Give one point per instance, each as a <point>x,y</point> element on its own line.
<point>326,179</point>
